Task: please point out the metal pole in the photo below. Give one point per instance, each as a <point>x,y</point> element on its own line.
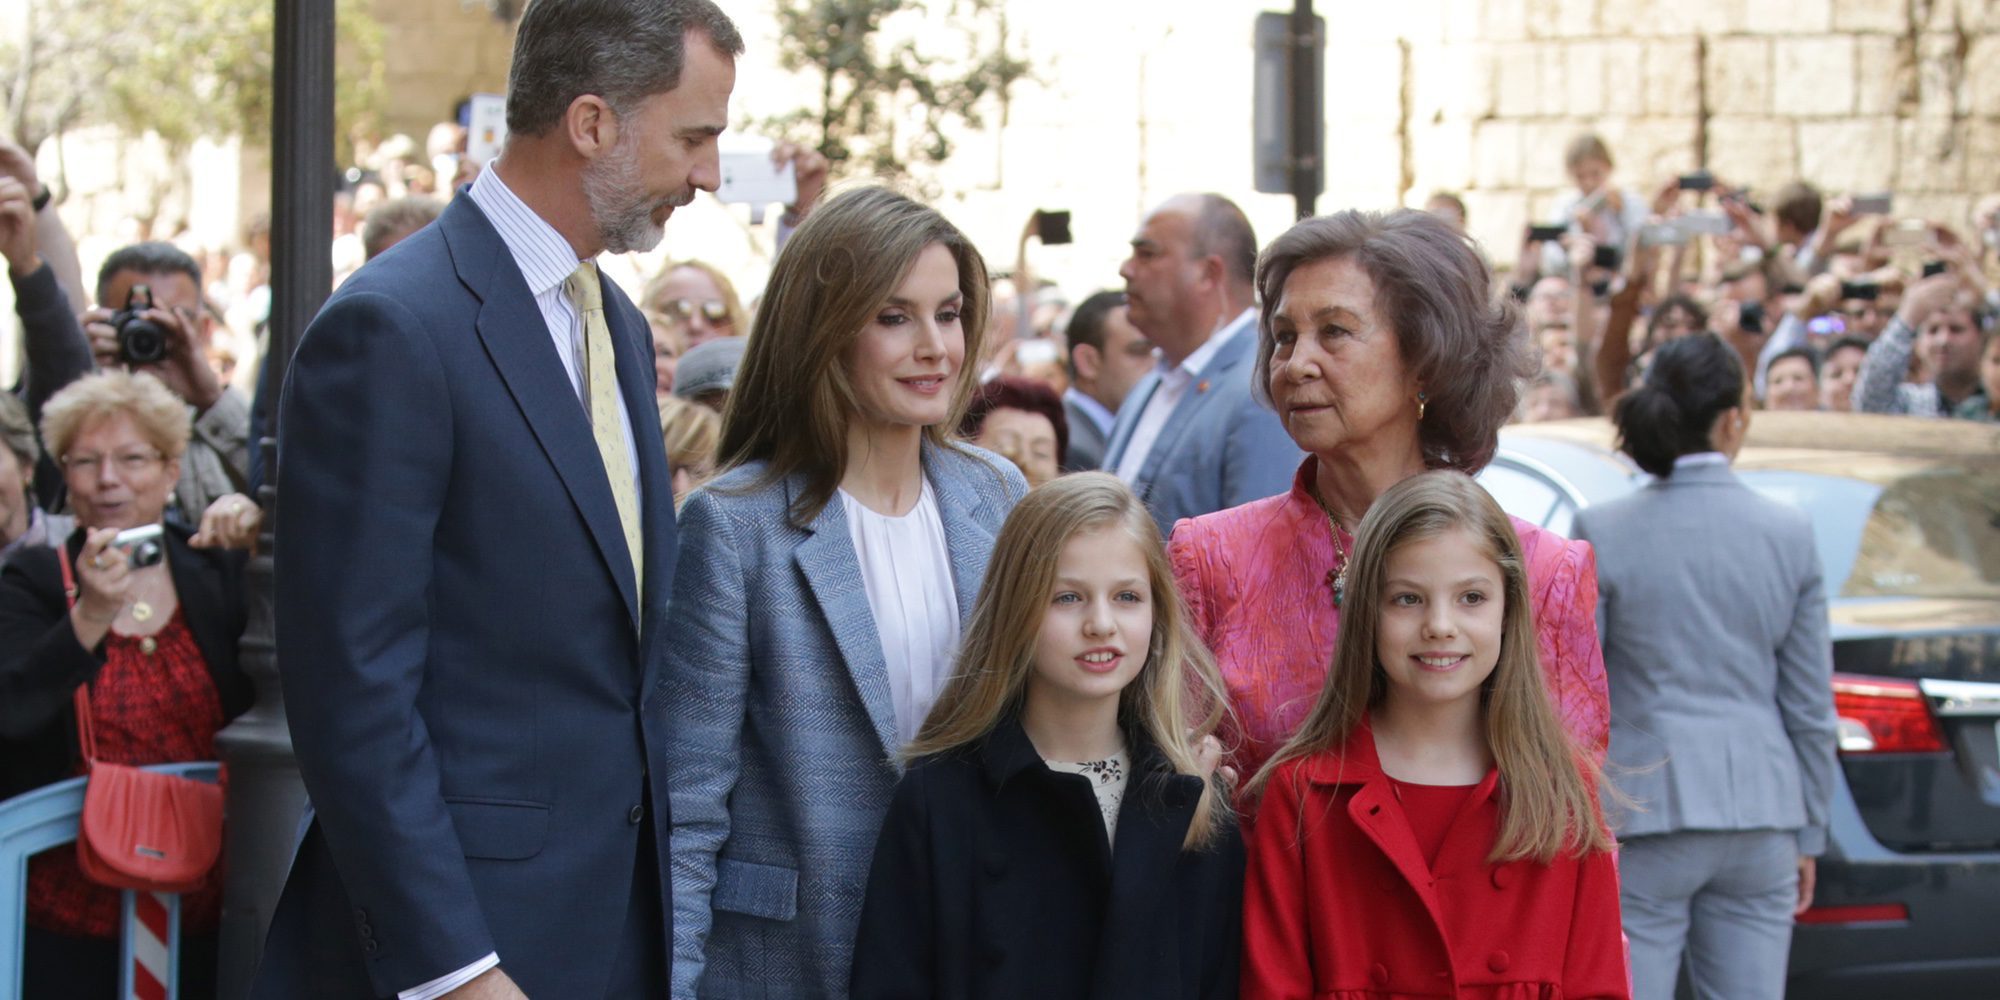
<point>1305,103</point>
<point>266,797</point>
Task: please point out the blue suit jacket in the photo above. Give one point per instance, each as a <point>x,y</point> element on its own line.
<point>462,646</point>
<point>1220,448</point>
<point>781,755</point>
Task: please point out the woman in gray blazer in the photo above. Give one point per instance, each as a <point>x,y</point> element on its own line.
<point>821,586</point>
<point>1713,617</point>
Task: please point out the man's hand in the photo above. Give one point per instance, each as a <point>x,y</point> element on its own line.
<point>17,227</point>
<point>810,167</point>
<point>492,984</point>
<point>184,370</point>
<point>1822,296</point>
<point>1926,297</point>
<point>19,164</point>
<point>1808,877</point>
<point>231,522</point>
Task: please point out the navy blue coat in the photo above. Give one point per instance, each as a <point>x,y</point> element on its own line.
<point>993,879</point>
<point>461,640</point>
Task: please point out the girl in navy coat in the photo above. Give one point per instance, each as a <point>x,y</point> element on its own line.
<point>1060,833</point>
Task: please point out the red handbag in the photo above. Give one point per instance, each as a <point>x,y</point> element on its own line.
<point>141,829</point>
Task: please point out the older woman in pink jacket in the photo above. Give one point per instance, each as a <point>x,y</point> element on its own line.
<point>1384,354</point>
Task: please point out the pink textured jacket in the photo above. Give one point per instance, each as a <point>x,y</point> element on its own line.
<point>1255,580</point>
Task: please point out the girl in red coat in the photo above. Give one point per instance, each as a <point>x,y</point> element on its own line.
<point>1431,831</point>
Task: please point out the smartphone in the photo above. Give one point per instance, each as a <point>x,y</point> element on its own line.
<point>1546,234</point>
<point>1933,268</point>
<point>1661,234</point>
<point>1866,291</point>
<point>1704,224</point>
<point>1700,180</point>
<point>1873,204</point>
<point>1607,257</point>
<point>141,545</point>
<point>487,134</point>
<point>1052,228</point>
<point>1906,233</point>
<point>749,178</point>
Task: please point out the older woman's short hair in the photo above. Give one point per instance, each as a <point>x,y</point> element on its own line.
<point>1009,392</point>
<point>18,432</point>
<point>690,432</point>
<point>159,415</point>
<point>1467,347</point>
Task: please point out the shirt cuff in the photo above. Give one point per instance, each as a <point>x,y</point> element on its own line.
<point>445,984</point>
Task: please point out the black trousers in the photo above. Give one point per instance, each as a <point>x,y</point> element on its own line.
<point>68,967</point>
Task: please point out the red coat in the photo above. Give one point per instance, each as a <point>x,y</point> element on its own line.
<point>1344,908</point>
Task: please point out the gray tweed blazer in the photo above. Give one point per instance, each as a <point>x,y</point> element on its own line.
<point>781,734</point>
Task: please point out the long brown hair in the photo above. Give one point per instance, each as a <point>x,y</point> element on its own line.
<point>1547,784</point>
<point>792,400</point>
<point>1176,701</point>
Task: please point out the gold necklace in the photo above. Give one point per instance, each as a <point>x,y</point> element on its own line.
<point>1337,576</point>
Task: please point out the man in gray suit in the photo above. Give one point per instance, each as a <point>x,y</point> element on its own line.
<point>1107,357</point>
<point>1193,438</point>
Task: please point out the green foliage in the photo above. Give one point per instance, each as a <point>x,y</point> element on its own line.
<point>885,104</point>
<point>184,69</point>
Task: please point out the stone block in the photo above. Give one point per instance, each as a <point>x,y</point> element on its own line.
<point>1884,76</point>
<point>1496,154</point>
<point>1497,219</point>
<point>1739,76</point>
<point>1454,80</point>
<point>1652,149</point>
<point>1975,15</point>
<point>1462,21</point>
<point>1813,76</point>
<point>1718,17</point>
<point>1624,77</point>
<point>1542,146</point>
<point>1585,78</point>
<point>1503,20</point>
<point>1552,88</point>
<point>1887,16</point>
<point>1575,18</point>
<point>1854,155</point>
<point>1930,155</point>
<point>1941,74</point>
<point>1982,76</point>
<point>1787,17</point>
<point>1756,152</point>
<point>1668,79</point>
<point>1517,79</point>
<point>1983,148</point>
<point>1442,155</point>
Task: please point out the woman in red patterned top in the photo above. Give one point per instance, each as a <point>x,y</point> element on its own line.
<point>156,644</point>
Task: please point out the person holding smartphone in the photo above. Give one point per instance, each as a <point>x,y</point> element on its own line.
<point>152,630</point>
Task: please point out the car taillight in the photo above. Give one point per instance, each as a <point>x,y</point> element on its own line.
<point>1884,715</point>
<point>1878,913</point>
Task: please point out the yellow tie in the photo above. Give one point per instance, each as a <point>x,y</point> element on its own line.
<point>600,381</point>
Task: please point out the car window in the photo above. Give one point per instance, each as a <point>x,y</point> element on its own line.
<point>1932,534</point>
<point>1524,494</point>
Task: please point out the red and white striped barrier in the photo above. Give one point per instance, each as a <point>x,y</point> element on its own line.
<point>152,927</point>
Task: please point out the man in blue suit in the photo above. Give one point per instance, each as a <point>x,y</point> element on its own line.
<point>475,549</point>
<point>1194,437</point>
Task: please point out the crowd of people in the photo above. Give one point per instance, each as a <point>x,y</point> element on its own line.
<point>904,630</point>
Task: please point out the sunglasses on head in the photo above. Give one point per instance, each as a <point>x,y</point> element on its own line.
<point>715,311</point>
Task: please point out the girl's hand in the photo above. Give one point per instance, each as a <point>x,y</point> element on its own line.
<point>1207,755</point>
<point>103,577</point>
<point>1808,874</point>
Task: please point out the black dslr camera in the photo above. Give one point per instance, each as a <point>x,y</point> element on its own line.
<point>140,340</point>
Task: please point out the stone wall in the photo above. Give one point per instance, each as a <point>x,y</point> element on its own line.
<point>435,53</point>
<point>1851,95</point>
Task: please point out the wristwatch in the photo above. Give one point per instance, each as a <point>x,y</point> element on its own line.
<point>42,198</point>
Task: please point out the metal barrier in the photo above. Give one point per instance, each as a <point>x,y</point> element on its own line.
<point>149,957</point>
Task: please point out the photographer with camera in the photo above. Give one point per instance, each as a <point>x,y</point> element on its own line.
<point>151,633</point>
<point>150,318</point>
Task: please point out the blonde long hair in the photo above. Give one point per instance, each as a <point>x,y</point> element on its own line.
<point>793,399</point>
<point>1176,701</point>
<point>1548,785</point>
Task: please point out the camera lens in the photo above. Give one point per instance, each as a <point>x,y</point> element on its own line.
<point>141,341</point>
<point>147,554</point>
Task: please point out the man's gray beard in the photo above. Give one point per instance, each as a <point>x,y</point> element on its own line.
<point>618,202</point>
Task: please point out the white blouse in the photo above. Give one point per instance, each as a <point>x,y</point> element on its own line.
<point>1107,779</point>
<point>906,569</point>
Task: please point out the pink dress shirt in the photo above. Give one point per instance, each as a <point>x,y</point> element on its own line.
<point>1255,581</point>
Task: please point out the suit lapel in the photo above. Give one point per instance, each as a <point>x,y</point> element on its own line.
<point>832,570</point>
<point>1191,408</point>
<point>1127,419</point>
<point>966,540</point>
<point>510,325</point>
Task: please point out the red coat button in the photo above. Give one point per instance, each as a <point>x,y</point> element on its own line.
<point>1379,974</point>
<point>1497,961</point>
<point>1503,876</point>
